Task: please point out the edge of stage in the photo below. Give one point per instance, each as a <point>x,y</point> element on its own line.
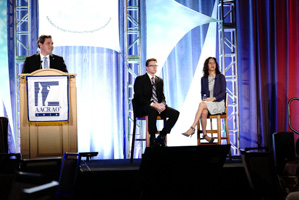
<point>199,172</point>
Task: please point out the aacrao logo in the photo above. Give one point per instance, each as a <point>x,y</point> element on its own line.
<point>44,102</point>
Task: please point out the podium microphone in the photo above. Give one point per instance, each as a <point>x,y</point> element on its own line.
<point>41,66</point>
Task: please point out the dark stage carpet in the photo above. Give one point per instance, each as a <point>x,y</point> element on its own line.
<point>173,175</point>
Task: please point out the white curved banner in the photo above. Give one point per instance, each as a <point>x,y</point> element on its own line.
<point>167,22</point>
<point>80,22</point>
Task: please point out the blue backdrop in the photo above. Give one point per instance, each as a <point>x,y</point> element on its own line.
<point>267,33</point>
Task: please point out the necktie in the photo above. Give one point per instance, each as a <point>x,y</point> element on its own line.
<point>46,66</point>
<point>154,94</point>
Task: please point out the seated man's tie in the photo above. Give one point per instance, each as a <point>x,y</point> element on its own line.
<point>154,94</point>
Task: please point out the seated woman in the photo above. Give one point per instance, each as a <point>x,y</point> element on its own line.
<point>213,89</point>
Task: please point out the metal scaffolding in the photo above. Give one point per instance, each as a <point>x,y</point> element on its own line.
<point>132,69</point>
<point>22,38</point>
<point>227,33</point>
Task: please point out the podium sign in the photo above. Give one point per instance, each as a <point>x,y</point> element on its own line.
<point>48,113</point>
<point>47,99</point>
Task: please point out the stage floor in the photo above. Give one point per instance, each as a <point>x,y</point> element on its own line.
<point>110,165</point>
<point>125,165</point>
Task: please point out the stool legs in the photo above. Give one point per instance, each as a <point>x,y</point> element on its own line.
<point>218,131</point>
<point>133,141</point>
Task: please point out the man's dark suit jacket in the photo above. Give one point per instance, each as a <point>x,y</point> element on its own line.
<point>33,63</point>
<point>143,91</point>
<point>219,87</point>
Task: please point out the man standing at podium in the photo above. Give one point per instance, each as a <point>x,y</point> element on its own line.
<point>45,59</point>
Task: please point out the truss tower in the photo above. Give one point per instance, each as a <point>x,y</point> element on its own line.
<point>227,33</point>
<point>132,70</point>
<point>21,40</point>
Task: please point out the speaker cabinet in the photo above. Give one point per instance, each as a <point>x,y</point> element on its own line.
<point>283,147</point>
<point>192,172</point>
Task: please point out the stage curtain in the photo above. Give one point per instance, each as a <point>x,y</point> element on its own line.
<point>268,53</point>
<point>268,59</point>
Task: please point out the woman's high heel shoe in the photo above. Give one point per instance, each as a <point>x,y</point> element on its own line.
<point>187,135</point>
<point>211,141</point>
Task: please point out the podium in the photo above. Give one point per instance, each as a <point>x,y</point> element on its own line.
<point>44,141</point>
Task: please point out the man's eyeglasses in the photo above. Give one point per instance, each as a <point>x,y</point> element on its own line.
<point>152,65</point>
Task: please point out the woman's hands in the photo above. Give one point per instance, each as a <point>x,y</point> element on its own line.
<point>211,99</point>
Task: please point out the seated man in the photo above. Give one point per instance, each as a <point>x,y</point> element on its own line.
<point>45,59</point>
<point>150,100</point>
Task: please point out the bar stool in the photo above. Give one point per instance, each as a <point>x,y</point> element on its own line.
<point>147,137</point>
<point>217,131</point>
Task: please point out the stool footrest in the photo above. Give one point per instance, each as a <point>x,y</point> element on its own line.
<point>140,139</point>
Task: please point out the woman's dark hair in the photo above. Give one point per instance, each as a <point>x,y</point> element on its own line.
<point>206,67</point>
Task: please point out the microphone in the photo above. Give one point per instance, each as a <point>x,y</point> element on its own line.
<point>41,66</point>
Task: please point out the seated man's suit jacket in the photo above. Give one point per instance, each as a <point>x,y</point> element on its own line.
<point>143,92</point>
